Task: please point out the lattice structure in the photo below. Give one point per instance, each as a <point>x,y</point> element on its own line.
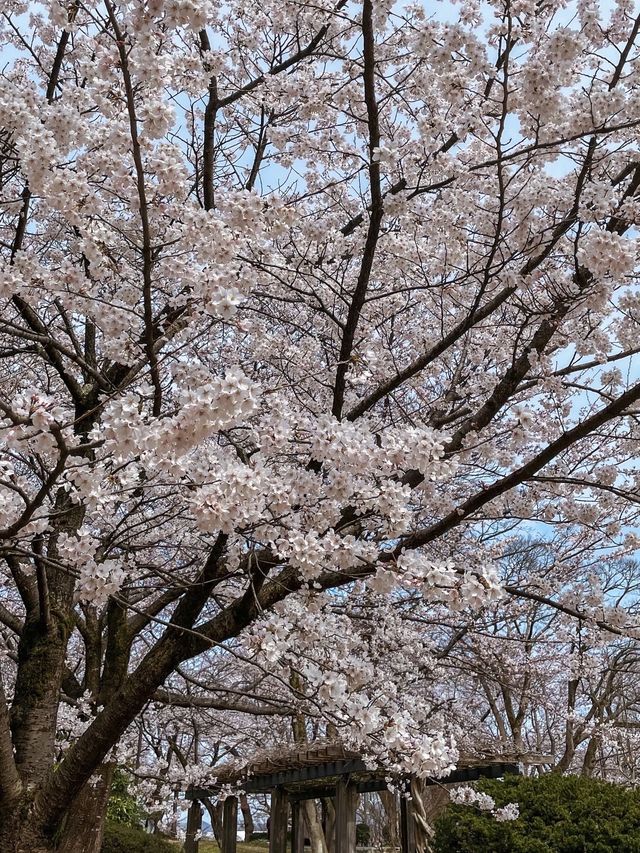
<point>329,770</point>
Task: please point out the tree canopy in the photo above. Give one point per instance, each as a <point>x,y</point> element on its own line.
<point>309,311</point>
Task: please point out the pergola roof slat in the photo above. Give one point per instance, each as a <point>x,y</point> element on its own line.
<point>297,770</point>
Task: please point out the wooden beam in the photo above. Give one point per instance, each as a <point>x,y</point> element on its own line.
<point>264,782</point>
<point>278,824</point>
<point>230,825</point>
<point>377,780</point>
<point>407,826</point>
<point>328,791</point>
<point>346,806</point>
<point>194,822</point>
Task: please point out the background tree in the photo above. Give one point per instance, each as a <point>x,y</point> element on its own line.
<point>543,683</point>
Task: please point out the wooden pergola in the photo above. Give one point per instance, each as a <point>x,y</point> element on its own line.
<point>328,770</point>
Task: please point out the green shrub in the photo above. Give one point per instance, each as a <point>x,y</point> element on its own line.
<point>123,806</point>
<point>363,834</point>
<point>558,814</point>
<point>120,838</point>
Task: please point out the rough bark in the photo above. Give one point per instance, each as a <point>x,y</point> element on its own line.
<point>392,829</point>
<point>17,835</point>
<point>34,709</point>
<point>84,827</point>
<point>308,808</point>
<point>329,824</point>
<point>314,828</point>
<point>215,816</point>
<point>590,756</point>
<point>247,818</point>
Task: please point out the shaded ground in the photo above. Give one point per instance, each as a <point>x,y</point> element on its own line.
<point>254,847</point>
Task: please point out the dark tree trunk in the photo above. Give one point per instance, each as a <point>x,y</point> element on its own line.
<point>41,654</point>
<point>315,832</point>
<point>589,761</point>
<point>215,816</point>
<point>247,817</point>
<point>392,812</point>
<point>17,834</point>
<point>84,826</point>
<point>82,830</point>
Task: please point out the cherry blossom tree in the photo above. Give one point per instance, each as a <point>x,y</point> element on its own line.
<point>548,685</point>
<point>300,303</point>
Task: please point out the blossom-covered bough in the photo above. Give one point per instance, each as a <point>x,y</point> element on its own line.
<point>305,307</point>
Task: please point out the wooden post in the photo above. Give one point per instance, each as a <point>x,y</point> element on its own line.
<point>346,806</point>
<point>297,828</point>
<point>194,822</point>
<point>278,825</point>
<point>407,826</point>
<point>229,825</point>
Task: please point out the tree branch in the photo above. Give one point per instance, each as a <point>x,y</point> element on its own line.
<point>375,217</point>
